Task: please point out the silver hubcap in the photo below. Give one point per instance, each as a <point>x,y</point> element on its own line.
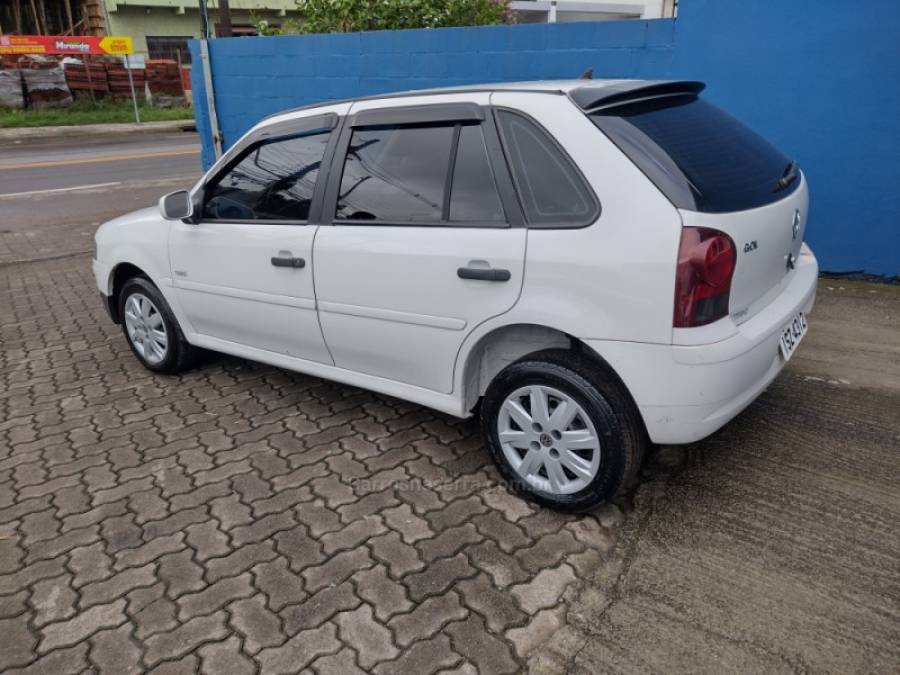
<point>146,328</point>
<point>548,439</point>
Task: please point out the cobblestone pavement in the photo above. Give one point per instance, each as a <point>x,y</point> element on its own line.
<point>241,518</point>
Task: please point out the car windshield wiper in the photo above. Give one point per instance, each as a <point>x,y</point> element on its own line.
<point>789,176</point>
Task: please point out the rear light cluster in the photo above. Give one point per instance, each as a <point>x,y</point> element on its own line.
<point>706,260</point>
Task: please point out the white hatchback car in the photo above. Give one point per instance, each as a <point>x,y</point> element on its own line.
<point>595,264</point>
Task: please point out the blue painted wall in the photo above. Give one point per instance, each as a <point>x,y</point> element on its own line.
<point>819,79</point>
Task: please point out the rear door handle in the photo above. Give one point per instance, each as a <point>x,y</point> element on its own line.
<point>285,261</point>
<point>483,274</point>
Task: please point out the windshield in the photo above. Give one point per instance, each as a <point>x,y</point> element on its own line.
<point>701,157</point>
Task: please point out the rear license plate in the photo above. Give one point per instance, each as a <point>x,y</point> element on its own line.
<point>791,336</point>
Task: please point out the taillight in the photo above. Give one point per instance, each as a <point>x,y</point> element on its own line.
<point>706,259</point>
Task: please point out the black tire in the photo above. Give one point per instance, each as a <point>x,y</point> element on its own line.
<point>623,439</point>
<point>179,355</point>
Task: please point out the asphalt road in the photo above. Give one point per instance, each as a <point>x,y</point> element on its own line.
<point>77,183</point>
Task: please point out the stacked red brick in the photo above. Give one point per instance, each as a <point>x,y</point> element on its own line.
<point>119,87</point>
<point>86,77</point>
<point>163,77</point>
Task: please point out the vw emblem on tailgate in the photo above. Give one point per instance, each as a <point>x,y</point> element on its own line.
<point>795,224</point>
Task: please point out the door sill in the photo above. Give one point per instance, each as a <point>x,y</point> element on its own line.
<point>446,403</point>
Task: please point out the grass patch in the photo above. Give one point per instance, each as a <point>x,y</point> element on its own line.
<point>87,112</point>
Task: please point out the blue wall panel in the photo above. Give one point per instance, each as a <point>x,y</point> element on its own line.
<point>819,79</point>
<point>822,81</point>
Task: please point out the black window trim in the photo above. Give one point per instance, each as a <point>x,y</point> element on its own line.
<point>274,133</point>
<point>417,114</point>
<point>428,115</point>
<point>597,209</point>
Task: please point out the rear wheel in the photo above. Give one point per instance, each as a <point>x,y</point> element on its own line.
<point>151,329</point>
<point>562,431</point>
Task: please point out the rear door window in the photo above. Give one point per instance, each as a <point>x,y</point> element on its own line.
<point>396,174</point>
<point>550,188</point>
<point>702,158</point>
<point>419,175</point>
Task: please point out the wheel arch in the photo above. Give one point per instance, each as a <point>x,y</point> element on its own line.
<point>502,345</point>
<point>119,274</point>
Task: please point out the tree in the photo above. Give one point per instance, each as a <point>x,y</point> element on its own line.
<point>347,16</point>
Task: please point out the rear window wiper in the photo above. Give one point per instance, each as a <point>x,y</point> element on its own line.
<point>788,177</point>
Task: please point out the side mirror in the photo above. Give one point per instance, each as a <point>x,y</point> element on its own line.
<point>176,205</point>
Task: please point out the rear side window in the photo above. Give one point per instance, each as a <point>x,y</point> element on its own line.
<point>701,157</point>
<point>418,174</point>
<point>551,189</point>
<point>273,181</point>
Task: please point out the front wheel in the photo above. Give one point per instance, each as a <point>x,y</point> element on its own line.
<point>151,329</point>
<point>562,431</point>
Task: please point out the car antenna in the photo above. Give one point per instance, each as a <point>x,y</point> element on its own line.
<point>587,75</point>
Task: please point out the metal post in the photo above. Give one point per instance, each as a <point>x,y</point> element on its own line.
<point>137,117</point>
<point>551,14</point>
<point>210,98</point>
<point>204,20</point>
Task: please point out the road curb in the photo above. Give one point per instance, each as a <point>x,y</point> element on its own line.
<point>33,133</point>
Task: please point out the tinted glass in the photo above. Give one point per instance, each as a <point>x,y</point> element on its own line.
<point>396,174</point>
<point>473,194</point>
<point>698,155</point>
<point>551,190</point>
<point>275,181</point>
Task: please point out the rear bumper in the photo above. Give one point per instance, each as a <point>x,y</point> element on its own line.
<point>685,393</point>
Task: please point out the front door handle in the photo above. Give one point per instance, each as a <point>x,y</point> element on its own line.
<point>287,261</point>
<point>483,273</point>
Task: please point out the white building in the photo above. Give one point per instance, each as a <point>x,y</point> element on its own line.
<point>552,11</point>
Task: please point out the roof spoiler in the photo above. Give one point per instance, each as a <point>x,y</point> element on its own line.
<point>590,98</point>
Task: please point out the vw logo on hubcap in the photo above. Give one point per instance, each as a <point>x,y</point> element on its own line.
<point>546,441</point>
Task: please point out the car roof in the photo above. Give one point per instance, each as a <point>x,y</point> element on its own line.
<point>588,94</point>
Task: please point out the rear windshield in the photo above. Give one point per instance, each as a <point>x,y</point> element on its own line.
<point>701,157</point>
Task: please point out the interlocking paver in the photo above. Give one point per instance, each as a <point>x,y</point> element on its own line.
<point>79,627</point>
<point>371,640</point>
<point>53,600</point>
<point>400,558</point>
<point>215,596</point>
<point>386,596</point>
<point>151,611</point>
<point>342,663</point>
<point>239,515</point>
<point>259,626</point>
<point>279,583</point>
<point>545,589</point>
<point>410,526</point>
<point>225,657</point>
<point>150,551</point>
<point>319,607</point>
<point>438,576</point>
<point>337,568</point>
<point>422,657</point>
<point>300,650</point>
<point>489,653</point>
<point>427,618</point>
<point>18,643</point>
<point>114,651</point>
<point>185,639</point>
<point>498,607</point>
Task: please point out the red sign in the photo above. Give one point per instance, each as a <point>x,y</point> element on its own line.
<point>72,45</point>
